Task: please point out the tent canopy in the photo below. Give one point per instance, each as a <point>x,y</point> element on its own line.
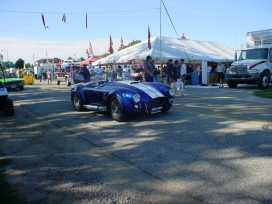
<point>90,60</point>
<point>172,48</point>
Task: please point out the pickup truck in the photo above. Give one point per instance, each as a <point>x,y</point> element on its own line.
<point>64,76</point>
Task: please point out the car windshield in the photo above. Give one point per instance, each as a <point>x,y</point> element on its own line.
<point>7,75</point>
<point>112,76</point>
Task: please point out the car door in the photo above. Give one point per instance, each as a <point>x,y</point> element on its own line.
<point>95,94</point>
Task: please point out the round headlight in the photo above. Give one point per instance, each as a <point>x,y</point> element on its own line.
<point>172,92</point>
<point>136,98</point>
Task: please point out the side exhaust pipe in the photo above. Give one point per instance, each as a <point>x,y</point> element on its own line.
<point>95,108</point>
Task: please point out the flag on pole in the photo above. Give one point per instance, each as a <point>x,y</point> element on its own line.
<point>86,21</point>
<point>91,53</point>
<point>64,18</point>
<point>149,43</point>
<point>44,25</point>
<point>121,43</point>
<point>110,50</point>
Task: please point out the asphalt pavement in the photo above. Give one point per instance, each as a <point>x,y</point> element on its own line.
<point>213,145</point>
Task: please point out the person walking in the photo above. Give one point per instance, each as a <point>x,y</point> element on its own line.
<point>220,71</point>
<point>183,72</point>
<point>40,75</point>
<point>176,76</point>
<point>49,76</point>
<point>148,68</point>
<point>44,75</point>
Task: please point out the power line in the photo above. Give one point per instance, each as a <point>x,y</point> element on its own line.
<point>174,28</point>
<point>38,12</point>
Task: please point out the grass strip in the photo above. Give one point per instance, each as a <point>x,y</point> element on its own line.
<point>8,193</point>
<point>266,93</point>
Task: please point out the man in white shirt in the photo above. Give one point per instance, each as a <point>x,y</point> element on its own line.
<point>209,68</point>
<point>183,71</point>
<point>126,71</point>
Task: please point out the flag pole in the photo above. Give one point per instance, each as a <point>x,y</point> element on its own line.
<point>160,43</point>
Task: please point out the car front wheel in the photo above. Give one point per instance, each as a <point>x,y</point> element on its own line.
<point>116,109</point>
<point>77,102</point>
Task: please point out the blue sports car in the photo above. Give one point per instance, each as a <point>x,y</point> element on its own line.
<point>121,96</point>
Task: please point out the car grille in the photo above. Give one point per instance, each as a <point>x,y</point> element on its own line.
<point>157,102</point>
<point>14,83</point>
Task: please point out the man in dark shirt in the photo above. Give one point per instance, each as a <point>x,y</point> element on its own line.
<point>86,74</point>
<point>169,70</point>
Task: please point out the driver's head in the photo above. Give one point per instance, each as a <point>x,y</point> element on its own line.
<point>114,75</point>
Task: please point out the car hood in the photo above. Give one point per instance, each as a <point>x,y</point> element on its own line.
<point>139,87</point>
<point>11,80</point>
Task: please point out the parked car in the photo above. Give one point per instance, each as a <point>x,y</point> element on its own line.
<point>11,82</point>
<point>121,96</point>
<point>6,104</point>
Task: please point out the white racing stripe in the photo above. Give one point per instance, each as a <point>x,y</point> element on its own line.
<point>152,92</point>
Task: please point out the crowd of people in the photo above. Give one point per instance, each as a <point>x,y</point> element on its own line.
<point>174,73</point>
<point>45,75</point>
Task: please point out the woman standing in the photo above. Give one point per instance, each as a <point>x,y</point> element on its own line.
<point>148,68</point>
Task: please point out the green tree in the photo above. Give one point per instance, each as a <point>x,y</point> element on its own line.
<point>134,42</point>
<point>104,55</point>
<point>19,63</point>
<point>81,59</point>
<point>57,60</point>
<point>70,58</point>
<point>28,65</point>
<point>7,64</point>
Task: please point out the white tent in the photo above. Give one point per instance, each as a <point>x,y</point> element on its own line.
<point>165,48</point>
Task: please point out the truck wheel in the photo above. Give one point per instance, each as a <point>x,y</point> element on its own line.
<point>263,82</point>
<point>68,83</point>
<point>232,84</point>
<point>9,108</point>
<point>21,88</point>
<point>57,82</point>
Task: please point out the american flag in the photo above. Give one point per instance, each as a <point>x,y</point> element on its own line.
<point>91,53</point>
<point>149,43</point>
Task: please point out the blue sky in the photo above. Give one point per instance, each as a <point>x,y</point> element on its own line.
<point>23,35</point>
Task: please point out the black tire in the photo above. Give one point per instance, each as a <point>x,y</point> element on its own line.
<point>9,108</point>
<point>232,84</point>
<point>22,88</point>
<point>263,82</point>
<point>77,102</point>
<point>116,109</point>
<point>166,109</point>
<point>57,82</point>
<point>68,83</point>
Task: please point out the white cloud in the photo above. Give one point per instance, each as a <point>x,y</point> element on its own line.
<point>25,48</point>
